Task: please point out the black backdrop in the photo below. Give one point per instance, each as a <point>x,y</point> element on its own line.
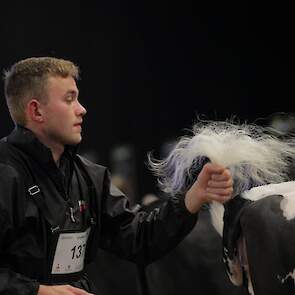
<point>148,67</point>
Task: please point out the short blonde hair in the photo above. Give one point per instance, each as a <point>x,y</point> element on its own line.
<point>27,79</point>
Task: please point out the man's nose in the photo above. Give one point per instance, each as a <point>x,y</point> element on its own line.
<point>81,111</point>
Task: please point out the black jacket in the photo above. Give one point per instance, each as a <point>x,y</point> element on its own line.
<point>131,233</point>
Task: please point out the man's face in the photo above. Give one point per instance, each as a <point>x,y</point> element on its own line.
<point>62,111</point>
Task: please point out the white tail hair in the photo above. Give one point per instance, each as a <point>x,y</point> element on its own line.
<point>253,156</point>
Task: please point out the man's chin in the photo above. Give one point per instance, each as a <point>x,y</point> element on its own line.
<point>74,141</point>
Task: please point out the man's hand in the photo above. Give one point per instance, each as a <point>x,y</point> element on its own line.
<point>61,290</point>
<point>214,183</point>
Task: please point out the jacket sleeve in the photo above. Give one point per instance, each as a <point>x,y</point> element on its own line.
<point>138,235</point>
<point>11,282</point>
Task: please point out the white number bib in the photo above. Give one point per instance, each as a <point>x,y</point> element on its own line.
<point>70,252</point>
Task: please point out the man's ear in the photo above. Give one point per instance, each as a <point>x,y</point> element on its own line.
<point>34,111</point>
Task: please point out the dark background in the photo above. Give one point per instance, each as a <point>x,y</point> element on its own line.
<point>150,67</point>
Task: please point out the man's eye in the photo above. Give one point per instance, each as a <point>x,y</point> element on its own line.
<point>69,98</point>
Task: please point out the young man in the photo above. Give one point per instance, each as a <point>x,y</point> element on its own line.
<point>56,207</point>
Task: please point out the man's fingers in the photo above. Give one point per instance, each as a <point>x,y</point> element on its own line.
<point>218,198</point>
<point>61,290</point>
<point>223,192</point>
<point>213,168</point>
<point>220,184</point>
<point>78,291</point>
<point>223,176</point>
<point>207,172</point>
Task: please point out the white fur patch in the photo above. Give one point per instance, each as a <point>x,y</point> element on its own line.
<point>259,192</point>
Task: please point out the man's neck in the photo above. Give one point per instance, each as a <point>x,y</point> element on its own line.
<point>56,149</point>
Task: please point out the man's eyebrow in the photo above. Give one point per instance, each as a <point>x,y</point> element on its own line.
<point>74,92</point>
